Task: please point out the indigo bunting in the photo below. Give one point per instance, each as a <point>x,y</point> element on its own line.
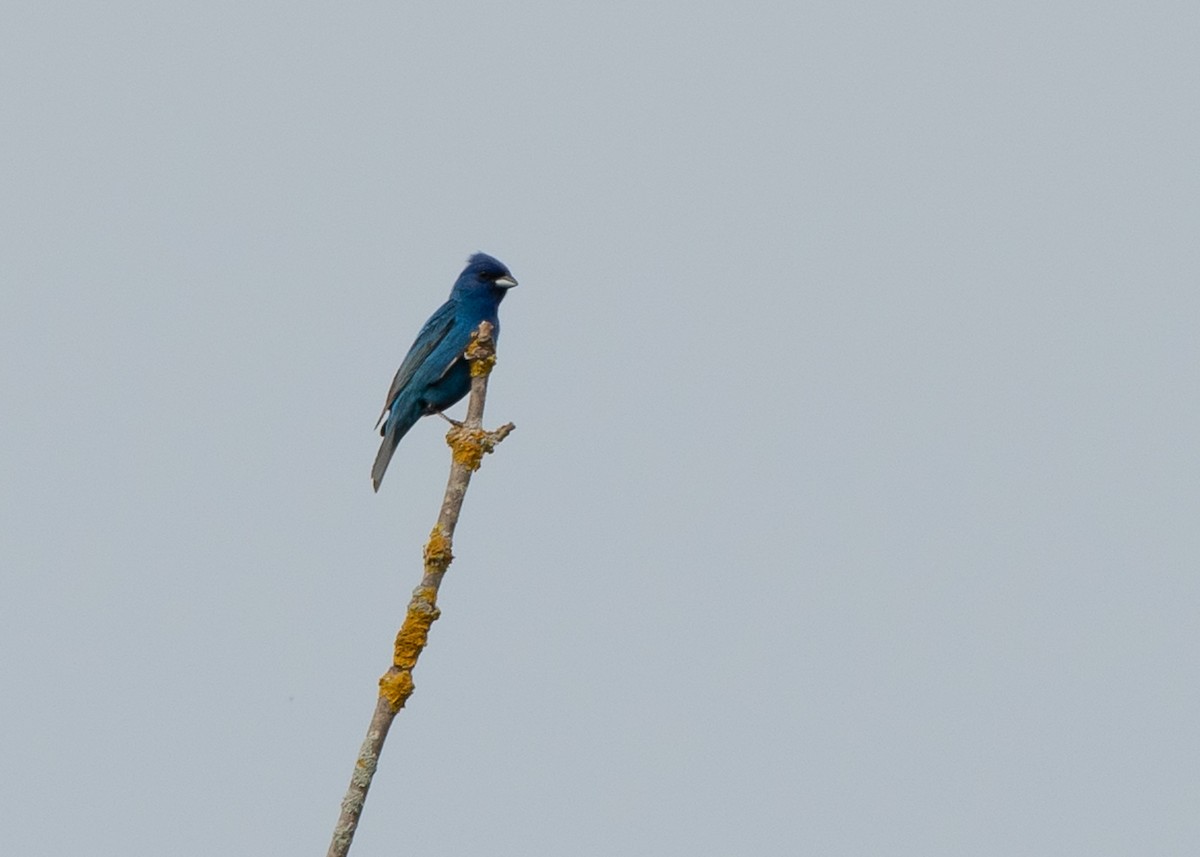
<point>434,374</point>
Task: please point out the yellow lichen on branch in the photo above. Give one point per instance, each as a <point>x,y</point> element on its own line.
<point>481,352</point>
<point>469,445</point>
<point>482,366</point>
<point>437,551</point>
<point>395,687</point>
<point>414,633</point>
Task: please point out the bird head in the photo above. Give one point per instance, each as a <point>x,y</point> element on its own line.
<point>488,271</point>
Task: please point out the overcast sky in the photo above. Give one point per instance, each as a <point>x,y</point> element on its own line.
<point>854,502</point>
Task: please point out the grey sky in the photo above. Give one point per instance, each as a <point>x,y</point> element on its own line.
<point>852,507</point>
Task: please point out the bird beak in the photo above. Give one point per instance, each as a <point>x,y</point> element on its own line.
<point>505,282</point>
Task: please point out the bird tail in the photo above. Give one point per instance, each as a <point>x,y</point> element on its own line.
<point>395,427</point>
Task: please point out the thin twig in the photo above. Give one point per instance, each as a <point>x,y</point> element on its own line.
<point>469,442</point>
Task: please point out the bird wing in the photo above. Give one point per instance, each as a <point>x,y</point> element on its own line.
<point>430,336</point>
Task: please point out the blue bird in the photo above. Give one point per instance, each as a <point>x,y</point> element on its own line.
<point>434,374</point>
